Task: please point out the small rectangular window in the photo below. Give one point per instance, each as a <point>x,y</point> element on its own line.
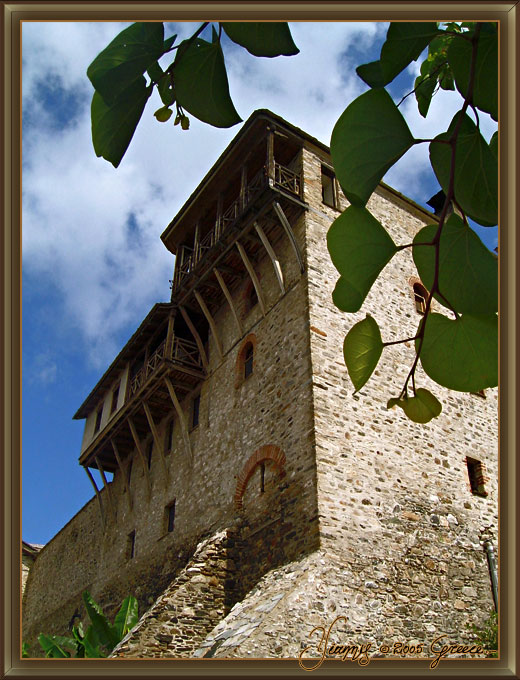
<point>195,411</point>
<point>476,476</point>
<point>149,453</point>
<point>98,419</point>
<point>168,444</point>
<point>115,397</point>
<point>328,188</point>
<point>130,545</point>
<point>129,472</point>
<point>170,517</point>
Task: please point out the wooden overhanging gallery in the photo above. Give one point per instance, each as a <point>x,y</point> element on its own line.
<point>249,200</point>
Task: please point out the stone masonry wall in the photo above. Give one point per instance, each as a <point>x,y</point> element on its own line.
<point>394,496</point>
<point>273,407</point>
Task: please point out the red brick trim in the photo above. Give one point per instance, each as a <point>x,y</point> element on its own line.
<point>241,356</point>
<point>267,452</point>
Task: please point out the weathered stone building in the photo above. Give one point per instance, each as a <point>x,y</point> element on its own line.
<point>254,497</point>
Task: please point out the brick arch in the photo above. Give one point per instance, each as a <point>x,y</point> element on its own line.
<point>267,452</point>
<point>239,365</point>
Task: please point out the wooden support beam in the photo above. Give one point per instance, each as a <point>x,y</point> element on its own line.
<point>169,336</point>
<point>211,322</point>
<point>270,157</point>
<point>141,454</point>
<point>252,274</point>
<point>196,243</point>
<point>218,217</point>
<point>243,187</point>
<point>180,413</point>
<point>156,439</point>
<point>123,473</point>
<point>288,230</point>
<point>107,488</point>
<point>276,262</point>
<point>93,482</point>
<point>226,292</point>
<point>196,337</point>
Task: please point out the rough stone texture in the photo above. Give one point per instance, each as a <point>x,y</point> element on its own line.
<point>373,518</point>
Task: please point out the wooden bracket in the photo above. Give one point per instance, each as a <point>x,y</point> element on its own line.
<point>141,455</point>
<point>156,439</point>
<point>276,262</point>
<point>93,482</point>
<point>288,230</point>
<point>123,473</point>
<point>252,274</point>
<point>196,337</point>
<point>227,294</point>
<point>107,488</point>
<point>211,322</point>
<point>180,413</point>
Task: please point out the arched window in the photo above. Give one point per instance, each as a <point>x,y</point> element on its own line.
<point>420,295</point>
<point>248,359</point>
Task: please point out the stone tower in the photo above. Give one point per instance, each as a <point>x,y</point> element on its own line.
<point>247,477</point>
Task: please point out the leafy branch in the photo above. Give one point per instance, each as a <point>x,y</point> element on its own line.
<point>460,354</point>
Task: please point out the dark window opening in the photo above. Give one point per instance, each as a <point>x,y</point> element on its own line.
<point>169,437</point>
<point>251,299</point>
<point>476,476</point>
<point>195,411</point>
<point>149,453</point>
<point>420,295</point>
<point>328,190</point>
<point>262,477</point>
<point>170,514</point>
<point>137,365</point>
<point>248,360</point>
<point>130,547</point>
<point>129,472</point>
<point>98,420</point>
<point>115,397</point>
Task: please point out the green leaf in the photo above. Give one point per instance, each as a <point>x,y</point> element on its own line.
<point>92,644</point>
<point>163,114</point>
<point>262,38</point>
<point>405,40</point>
<point>55,645</point>
<point>424,88</point>
<point>168,43</point>
<point>461,354</point>
<point>468,271</point>
<point>201,84</point>
<point>126,58</point>
<point>362,350</point>
<point>113,126</point>
<point>476,171</point>
<point>420,408</point>
<point>359,247</point>
<point>164,84</point>
<point>127,616</point>
<point>105,633</point>
<point>485,88</point>
<point>368,138</point>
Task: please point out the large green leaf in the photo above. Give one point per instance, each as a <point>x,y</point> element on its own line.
<point>92,644</point>
<point>461,354</point>
<point>476,171</point>
<point>359,247</point>
<point>405,40</point>
<point>113,126</point>
<point>468,271</point>
<point>104,631</point>
<point>362,349</point>
<point>56,646</point>
<point>485,87</point>
<point>262,38</point>
<point>420,408</point>
<point>127,616</point>
<point>201,84</point>
<point>126,58</point>
<point>369,137</point>
<point>493,144</point>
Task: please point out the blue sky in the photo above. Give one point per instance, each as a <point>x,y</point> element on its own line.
<point>93,262</point>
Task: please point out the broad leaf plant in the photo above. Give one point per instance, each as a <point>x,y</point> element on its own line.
<point>458,350</point>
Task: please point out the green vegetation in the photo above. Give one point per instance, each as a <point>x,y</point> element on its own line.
<point>98,640</point>
<point>487,635</point>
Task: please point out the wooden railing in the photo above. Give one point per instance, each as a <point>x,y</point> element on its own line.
<point>184,352</point>
<point>284,179</point>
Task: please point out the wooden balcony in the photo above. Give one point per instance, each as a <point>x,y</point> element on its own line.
<point>192,261</point>
<point>149,396</point>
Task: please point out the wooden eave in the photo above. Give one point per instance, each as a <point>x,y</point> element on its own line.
<point>242,147</point>
<point>157,315</point>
